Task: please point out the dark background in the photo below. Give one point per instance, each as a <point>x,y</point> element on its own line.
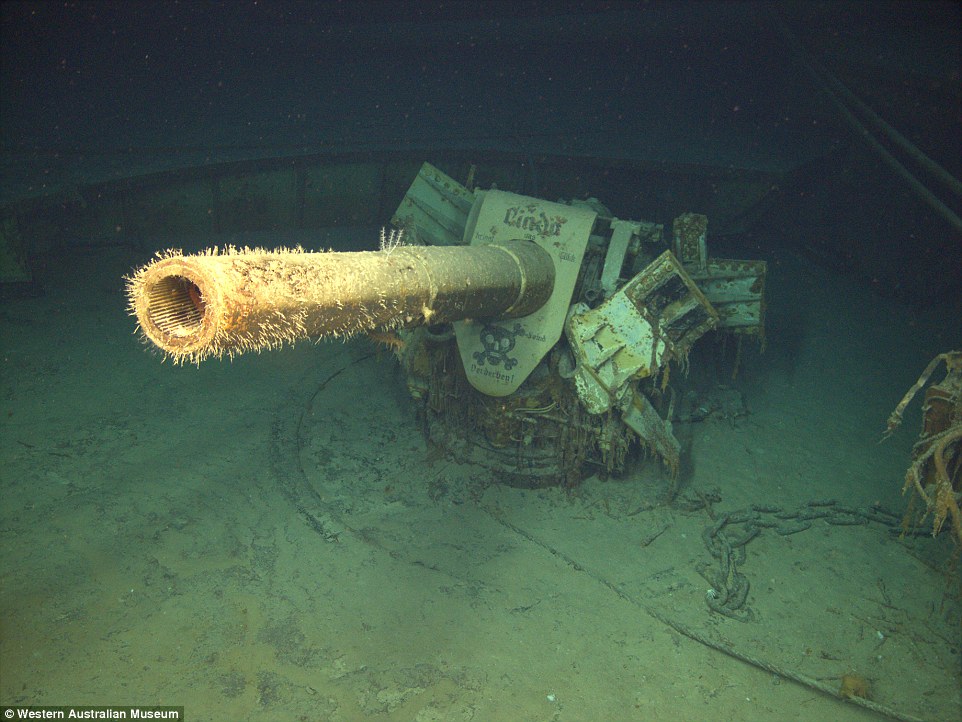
<point>96,90</point>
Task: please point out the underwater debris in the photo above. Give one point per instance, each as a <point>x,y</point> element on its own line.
<point>937,455</point>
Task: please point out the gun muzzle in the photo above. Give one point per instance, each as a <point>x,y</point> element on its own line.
<point>228,302</point>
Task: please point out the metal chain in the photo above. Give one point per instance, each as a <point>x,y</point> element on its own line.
<point>725,541</point>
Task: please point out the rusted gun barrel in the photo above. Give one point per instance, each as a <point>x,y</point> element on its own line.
<point>228,302</point>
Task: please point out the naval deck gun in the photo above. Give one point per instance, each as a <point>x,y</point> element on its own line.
<point>536,337</point>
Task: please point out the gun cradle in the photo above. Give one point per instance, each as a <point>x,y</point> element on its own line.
<point>581,385</point>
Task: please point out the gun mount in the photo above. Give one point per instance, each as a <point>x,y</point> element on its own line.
<point>536,337</point>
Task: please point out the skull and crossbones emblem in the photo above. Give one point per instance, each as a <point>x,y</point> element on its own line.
<point>498,342</point>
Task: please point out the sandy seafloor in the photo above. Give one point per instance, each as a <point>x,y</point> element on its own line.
<point>155,544</point>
